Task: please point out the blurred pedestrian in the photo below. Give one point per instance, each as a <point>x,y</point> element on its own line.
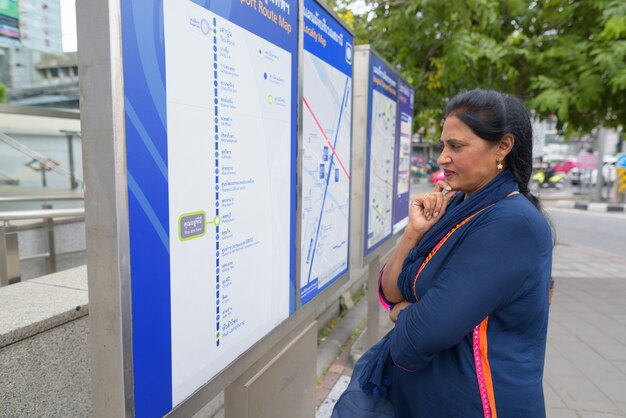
<point>468,284</point>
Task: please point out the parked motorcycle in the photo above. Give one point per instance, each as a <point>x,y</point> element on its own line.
<point>545,179</point>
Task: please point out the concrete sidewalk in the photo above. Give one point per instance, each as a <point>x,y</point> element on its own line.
<point>585,370</point>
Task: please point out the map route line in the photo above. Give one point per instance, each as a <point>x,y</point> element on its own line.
<point>382,179</point>
<point>215,221</point>
<point>325,137</point>
<point>330,167</point>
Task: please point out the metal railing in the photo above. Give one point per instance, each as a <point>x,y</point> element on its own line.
<point>9,245</point>
<point>47,164</point>
<point>51,198</point>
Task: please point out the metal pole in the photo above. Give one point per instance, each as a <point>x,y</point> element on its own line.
<point>106,206</point>
<point>9,255</point>
<point>597,193</point>
<point>373,320</point>
<point>51,264</point>
<point>42,168</point>
<point>70,152</point>
<point>4,257</point>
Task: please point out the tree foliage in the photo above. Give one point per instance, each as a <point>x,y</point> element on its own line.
<point>3,93</point>
<point>579,63</point>
<point>566,57</point>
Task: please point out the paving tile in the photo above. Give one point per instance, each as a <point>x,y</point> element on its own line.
<point>322,391</point>
<point>568,387</point>
<point>326,408</point>
<point>620,365</point>
<point>590,334</point>
<point>559,366</point>
<point>613,389</point>
<point>552,399</point>
<point>603,407</point>
<point>591,414</point>
<point>557,332</point>
<point>552,351</point>
<point>560,413</point>
<point>611,352</point>
<point>599,369</point>
<point>603,319</point>
<point>335,368</point>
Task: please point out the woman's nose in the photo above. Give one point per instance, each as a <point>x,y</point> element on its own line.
<point>443,158</point>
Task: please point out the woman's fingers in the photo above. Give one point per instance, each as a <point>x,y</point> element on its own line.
<point>438,204</point>
<point>442,185</point>
<point>393,313</point>
<point>433,204</point>
<point>428,205</point>
<point>447,198</point>
<point>428,208</point>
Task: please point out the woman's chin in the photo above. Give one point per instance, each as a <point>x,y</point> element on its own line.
<point>453,184</point>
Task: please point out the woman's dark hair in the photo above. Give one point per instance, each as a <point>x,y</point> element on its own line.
<point>491,115</point>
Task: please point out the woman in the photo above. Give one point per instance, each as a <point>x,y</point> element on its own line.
<point>468,283</point>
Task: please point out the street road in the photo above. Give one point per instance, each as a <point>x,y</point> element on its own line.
<point>602,231</point>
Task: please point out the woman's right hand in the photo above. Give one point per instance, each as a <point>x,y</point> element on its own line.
<point>426,209</point>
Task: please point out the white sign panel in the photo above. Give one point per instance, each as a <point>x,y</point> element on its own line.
<point>229,135</point>
<point>381,153</point>
<point>326,136</point>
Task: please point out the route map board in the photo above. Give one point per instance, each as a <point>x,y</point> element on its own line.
<point>327,133</point>
<point>403,156</point>
<point>380,153</point>
<point>211,110</point>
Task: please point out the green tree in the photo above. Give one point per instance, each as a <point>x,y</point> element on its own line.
<point>561,56</point>
<point>579,63</point>
<point>3,93</point>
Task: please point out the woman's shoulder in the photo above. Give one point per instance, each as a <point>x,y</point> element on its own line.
<point>514,213</point>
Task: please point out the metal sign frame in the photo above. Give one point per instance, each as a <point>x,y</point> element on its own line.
<point>99,24</point>
<point>399,140</point>
<point>359,157</point>
<point>340,281</point>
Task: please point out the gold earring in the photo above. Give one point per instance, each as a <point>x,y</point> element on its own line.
<point>500,166</point>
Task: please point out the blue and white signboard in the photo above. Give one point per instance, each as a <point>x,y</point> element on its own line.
<point>211,112</point>
<point>380,154</point>
<point>326,137</point>
<point>403,156</point>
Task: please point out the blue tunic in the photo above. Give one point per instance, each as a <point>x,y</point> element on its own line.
<point>483,299</point>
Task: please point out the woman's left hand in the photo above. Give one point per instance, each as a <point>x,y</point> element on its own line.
<point>426,210</point>
<point>393,314</point>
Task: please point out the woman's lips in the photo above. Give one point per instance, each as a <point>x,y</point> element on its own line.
<point>448,173</point>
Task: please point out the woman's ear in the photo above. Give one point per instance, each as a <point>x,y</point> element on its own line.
<point>506,145</point>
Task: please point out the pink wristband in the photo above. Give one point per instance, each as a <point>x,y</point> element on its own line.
<point>381,295</point>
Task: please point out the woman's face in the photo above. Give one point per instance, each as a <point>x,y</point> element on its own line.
<point>469,162</point>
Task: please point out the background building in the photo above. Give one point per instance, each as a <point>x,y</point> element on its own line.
<point>38,79</point>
